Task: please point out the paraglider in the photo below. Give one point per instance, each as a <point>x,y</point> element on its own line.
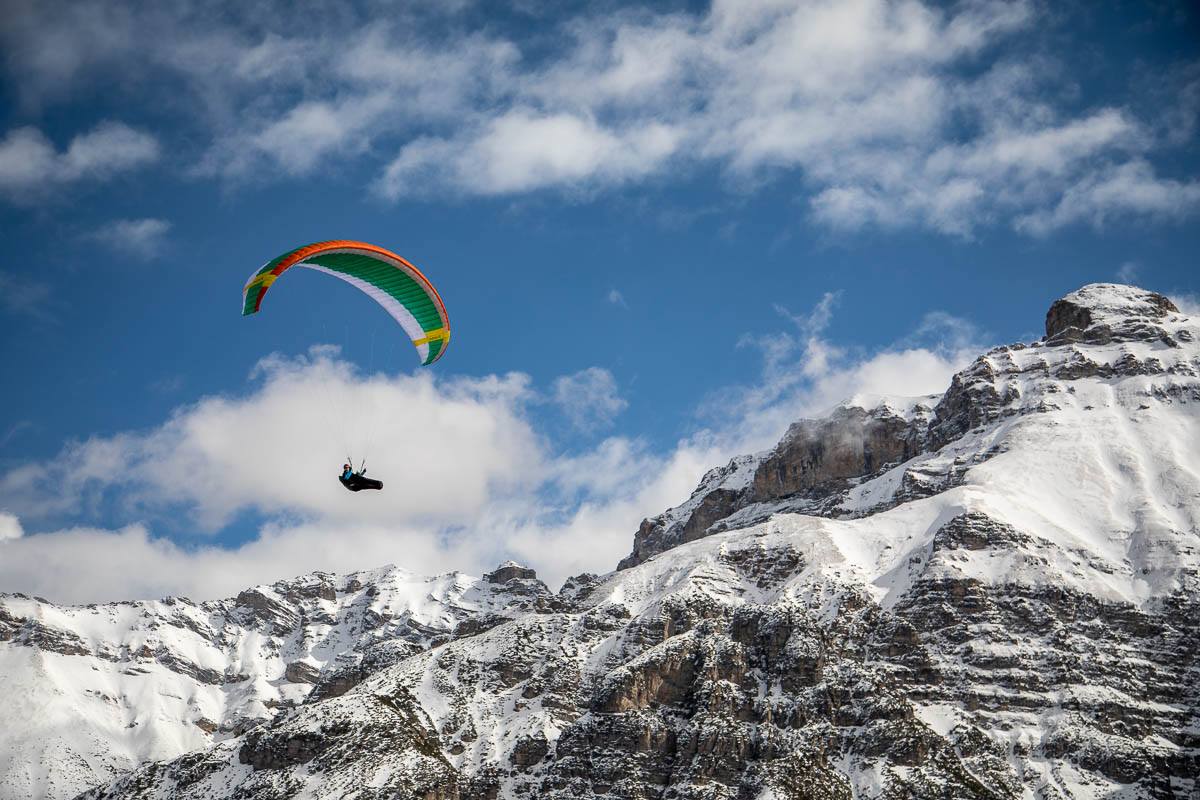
<point>357,481</point>
<point>402,289</point>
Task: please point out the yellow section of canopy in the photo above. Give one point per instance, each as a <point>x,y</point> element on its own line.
<point>433,336</point>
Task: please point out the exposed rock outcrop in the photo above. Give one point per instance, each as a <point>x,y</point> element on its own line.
<point>508,571</point>
<point>1101,313</point>
<point>811,468</point>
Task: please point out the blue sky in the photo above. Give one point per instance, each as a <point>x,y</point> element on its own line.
<point>661,232</point>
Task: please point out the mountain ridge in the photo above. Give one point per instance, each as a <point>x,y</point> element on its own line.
<point>221,666</point>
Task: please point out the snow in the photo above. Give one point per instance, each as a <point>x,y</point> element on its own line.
<point>940,717</point>
<point>903,406</point>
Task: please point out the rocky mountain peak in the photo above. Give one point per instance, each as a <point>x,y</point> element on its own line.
<point>510,570</point>
<point>871,453</point>
<point>1101,312</point>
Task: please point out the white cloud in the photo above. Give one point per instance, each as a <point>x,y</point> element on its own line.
<point>79,565</point>
<point>523,151</point>
<point>952,188</point>
<point>383,82</point>
<point>10,527</point>
<point>304,137</point>
<point>627,486</point>
<point>589,398</point>
<point>27,160</point>
<point>884,114</point>
<point>467,483</point>
<point>109,148</point>
<point>1127,190</point>
<point>223,454</point>
<point>862,99</point>
<point>806,374</point>
<point>617,299</point>
<point>141,238</point>
<point>31,168</point>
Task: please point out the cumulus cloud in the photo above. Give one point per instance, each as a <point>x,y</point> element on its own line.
<point>469,479</point>
<point>589,398</point>
<point>143,239</point>
<point>523,151</point>
<point>881,114</point>
<point>617,299</point>
<point>31,167</point>
<point>210,457</point>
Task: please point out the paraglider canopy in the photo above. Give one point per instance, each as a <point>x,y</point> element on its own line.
<point>393,282</point>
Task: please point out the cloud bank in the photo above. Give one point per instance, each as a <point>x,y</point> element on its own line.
<point>468,478</point>
<point>881,113</point>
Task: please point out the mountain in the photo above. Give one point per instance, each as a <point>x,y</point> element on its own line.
<point>987,594</point>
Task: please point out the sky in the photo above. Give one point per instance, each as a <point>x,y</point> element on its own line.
<point>662,233</point>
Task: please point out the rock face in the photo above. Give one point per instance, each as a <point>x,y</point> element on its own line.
<point>1101,311</point>
<point>991,594</point>
<point>811,468</point>
<point>820,457</point>
<point>510,571</point>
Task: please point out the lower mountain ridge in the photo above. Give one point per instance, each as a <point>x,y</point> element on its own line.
<point>987,594</point>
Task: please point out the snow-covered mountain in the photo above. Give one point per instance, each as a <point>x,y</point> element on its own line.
<point>93,691</point>
<point>988,594</point>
